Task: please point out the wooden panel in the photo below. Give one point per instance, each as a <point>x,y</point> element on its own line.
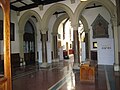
<point>29,58</point>
<point>87,73</point>
<point>15,60</point>
<point>2,83</point>
<point>94,55</point>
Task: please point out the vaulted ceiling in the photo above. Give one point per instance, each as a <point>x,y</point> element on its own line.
<point>20,5</point>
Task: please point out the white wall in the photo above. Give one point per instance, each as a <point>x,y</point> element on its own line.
<point>14,44</point>
<point>90,15</point>
<point>60,31</point>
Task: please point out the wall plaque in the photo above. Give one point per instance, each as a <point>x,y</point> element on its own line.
<point>100,27</point>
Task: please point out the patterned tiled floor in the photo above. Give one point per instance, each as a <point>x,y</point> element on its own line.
<point>60,76</point>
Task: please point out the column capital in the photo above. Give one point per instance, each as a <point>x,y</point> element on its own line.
<point>114,21</point>
<point>87,30</point>
<point>72,1</point>
<point>40,7</point>
<point>75,26</point>
<point>21,31</point>
<point>44,30</point>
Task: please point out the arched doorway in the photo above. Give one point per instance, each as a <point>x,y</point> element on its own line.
<point>29,43</point>
<point>60,9</point>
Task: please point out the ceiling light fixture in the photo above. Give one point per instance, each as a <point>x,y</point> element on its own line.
<point>83,0</point>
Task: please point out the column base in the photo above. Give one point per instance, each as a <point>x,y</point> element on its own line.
<point>55,60</point>
<point>21,64</point>
<point>116,67</point>
<point>24,63</point>
<point>44,65</point>
<point>76,66</point>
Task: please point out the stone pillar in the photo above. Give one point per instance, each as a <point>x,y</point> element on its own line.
<point>76,47</point>
<point>21,34</point>
<point>87,43</point>
<point>115,33</point>
<point>55,48</point>
<point>44,51</point>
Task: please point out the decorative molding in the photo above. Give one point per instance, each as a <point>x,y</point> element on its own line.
<point>72,1</point>
<point>40,7</point>
<point>18,13</point>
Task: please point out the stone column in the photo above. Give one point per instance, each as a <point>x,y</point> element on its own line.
<point>44,51</point>
<point>115,33</point>
<point>87,43</point>
<point>21,47</point>
<point>76,47</point>
<point>55,48</point>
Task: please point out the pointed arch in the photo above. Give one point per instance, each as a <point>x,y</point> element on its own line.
<point>27,15</point>
<point>58,21</point>
<point>106,3</point>
<point>51,10</point>
<point>36,19</point>
<point>84,22</point>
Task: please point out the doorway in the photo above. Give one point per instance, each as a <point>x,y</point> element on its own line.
<point>29,43</point>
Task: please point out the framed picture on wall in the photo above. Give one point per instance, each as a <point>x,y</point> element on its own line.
<point>94,45</point>
<point>12,29</point>
<point>100,27</point>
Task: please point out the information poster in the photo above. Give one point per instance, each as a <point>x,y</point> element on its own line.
<point>105,52</point>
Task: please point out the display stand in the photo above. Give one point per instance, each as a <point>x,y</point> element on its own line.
<point>87,72</point>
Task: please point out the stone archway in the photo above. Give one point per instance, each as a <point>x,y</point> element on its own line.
<point>106,3</point>
<point>81,7</point>
<point>87,36</point>
<point>112,11</point>
<point>55,32</point>
<point>45,21</point>
<point>29,15</point>
<point>50,12</point>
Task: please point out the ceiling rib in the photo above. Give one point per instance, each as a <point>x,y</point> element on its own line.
<point>20,5</point>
